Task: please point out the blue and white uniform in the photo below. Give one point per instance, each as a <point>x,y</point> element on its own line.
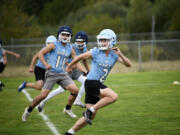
<point>100,68</point>
<point>57,59</point>
<point>101,64</point>
<point>40,69</point>
<point>59,56</point>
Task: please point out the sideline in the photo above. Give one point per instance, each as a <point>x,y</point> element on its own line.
<point>45,118</point>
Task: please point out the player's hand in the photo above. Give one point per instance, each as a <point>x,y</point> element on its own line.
<point>31,69</point>
<point>18,56</point>
<point>68,69</point>
<point>48,66</point>
<point>116,50</point>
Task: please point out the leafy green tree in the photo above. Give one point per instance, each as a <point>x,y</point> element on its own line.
<point>16,24</point>
<point>167,15</point>
<point>96,24</point>
<point>139,16</point>
<point>54,12</point>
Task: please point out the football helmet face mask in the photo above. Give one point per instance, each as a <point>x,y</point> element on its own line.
<point>81,39</point>
<point>106,35</point>
<point>64,34</point>
<point>51,39</point>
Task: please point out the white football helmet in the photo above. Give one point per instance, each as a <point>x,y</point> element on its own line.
<point>51,39</point>
<point>109,35</point>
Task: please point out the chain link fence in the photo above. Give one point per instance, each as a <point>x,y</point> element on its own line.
<point>146,55</point>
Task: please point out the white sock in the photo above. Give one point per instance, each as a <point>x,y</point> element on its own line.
<point>81,79</point>
<point>71,131</point>
<point>92,109</point>
<point>80,94</point>
<point>53,93</point>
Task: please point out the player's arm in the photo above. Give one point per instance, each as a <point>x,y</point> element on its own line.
<point>45,50</point>
<point>122,59</point>
<point>33,61</point>
<point>81,68</point>
<point>77,59</point>
<point>13,53</point>
<point>86,65</point>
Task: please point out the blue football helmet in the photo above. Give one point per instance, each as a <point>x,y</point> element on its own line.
<point>64,30</point>
<point>109,35</point>
<point>81,37</point>
<point>51,39</point>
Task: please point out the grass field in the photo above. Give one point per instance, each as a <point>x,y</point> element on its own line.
<point>148,104</point>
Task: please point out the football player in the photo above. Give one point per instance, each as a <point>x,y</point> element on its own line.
<point>39,69</point>
<point>3,60</point>
<point>81,40</point>
<point>58,53</point>
<point>97,94</point>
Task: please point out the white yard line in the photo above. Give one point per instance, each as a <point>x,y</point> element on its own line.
<point>45,118</point>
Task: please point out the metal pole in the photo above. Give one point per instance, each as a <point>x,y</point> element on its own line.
<point>152,38</point>
<point>139,56</point>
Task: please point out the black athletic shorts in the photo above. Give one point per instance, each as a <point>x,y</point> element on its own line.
<point>92,88</point>
<point>2,66</point>
<point>39,73</point>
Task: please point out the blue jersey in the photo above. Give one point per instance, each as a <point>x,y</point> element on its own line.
<point>1,54</point>
<point>101,64</point>
<point>40,64</point>
<point>58,57</point>
<point>77,51</point>
<point>50,39</point>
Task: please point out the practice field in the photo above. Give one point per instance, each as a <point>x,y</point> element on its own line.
<point>148,104</point>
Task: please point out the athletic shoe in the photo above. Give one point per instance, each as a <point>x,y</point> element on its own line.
<point>87,115</point>
<point>80,104</point>
<point>40,107</point>
<point>69,112</point>
<point>68,133</point>
<point>22,86</point>
<point>25,114</point>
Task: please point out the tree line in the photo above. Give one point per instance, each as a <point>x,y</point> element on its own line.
<point>39,18</point>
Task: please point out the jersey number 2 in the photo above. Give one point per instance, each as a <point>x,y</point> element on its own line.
<point>103,77</point>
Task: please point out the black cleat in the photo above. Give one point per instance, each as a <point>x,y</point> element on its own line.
<point>87,115</point>
<point>68,133</point>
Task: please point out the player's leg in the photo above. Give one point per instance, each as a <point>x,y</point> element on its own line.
<point>35,102</point>
<point>39,76</point>
<point>80,123</point>
<point>68,84</point>
<point>78,102</point>
<point>107,96</point>
<point>2,67</point>
<point>50,95</point>
<point>48,85</point>
<point>37,85</point>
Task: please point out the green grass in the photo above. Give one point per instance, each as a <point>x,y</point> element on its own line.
<point>148,104</point>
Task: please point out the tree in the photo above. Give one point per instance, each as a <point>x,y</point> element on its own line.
<point>139,16</point>
<point>15,23</point>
